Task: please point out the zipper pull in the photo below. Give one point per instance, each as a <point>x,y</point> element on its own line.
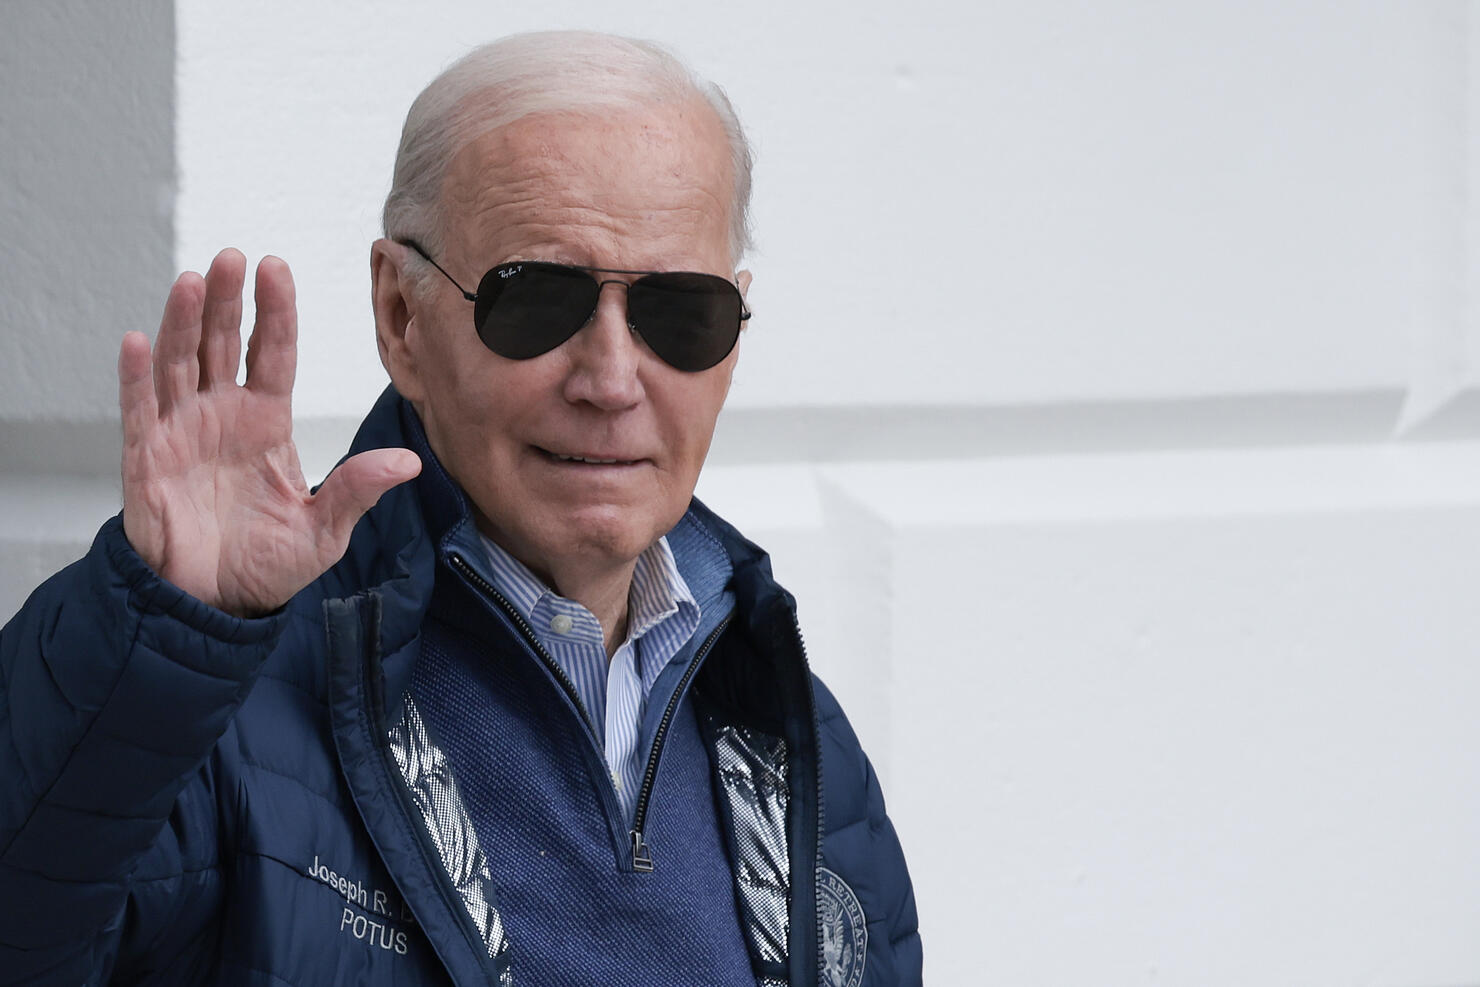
<point>642,857</point>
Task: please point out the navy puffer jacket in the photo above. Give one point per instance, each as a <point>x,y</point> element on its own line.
<point>180,788</point>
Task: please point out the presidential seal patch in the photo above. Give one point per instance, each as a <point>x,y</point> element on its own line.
<point>844,931</point>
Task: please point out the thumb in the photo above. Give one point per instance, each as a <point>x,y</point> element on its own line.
<point>356,484</point>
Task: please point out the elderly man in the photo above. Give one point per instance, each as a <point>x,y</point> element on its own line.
<point>500,701</point>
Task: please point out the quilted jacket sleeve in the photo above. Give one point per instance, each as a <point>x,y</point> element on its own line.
<point>860,844</point>
<point>114,688</point>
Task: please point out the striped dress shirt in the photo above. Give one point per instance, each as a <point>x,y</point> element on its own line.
<point>661,618</point>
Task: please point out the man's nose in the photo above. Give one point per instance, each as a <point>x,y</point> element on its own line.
<point>605,355</point>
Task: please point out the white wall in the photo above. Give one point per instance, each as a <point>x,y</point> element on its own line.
<point>1110,405</point>
<point>87,170</point>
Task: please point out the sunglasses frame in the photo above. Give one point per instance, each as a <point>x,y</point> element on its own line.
<point>600,283</point>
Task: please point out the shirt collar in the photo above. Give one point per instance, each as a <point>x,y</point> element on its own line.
<point>659,598</point>
<point>658,593</point>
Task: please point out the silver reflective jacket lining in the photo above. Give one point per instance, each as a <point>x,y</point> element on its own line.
<point>752,769</point>
<point>428,778</point>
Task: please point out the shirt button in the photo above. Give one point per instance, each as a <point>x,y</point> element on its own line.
<point>617,781</point>
<point>561,623</point>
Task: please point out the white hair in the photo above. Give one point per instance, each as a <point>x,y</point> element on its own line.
<point>541,72</point>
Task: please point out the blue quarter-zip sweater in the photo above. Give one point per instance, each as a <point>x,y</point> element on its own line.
<point>189,797</point>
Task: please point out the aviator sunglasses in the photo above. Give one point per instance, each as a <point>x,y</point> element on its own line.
<point>528,307</point>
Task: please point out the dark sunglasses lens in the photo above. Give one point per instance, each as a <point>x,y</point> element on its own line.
<point>690,320</point>
<point>529,307</point>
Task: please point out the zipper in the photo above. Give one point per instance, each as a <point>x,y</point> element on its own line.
<point>373,702</point>
<point>817,761</point>
<point>642,858</point>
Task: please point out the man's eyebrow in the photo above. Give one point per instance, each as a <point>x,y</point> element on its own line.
<point>550,255</point>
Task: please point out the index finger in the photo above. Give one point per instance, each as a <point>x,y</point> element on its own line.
<point>272,352</point>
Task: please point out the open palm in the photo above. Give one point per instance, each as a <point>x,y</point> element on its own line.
<point>214,498</point>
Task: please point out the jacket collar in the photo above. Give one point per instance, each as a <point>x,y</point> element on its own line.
<point>397,545</point>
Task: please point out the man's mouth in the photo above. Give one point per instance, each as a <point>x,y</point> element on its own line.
<point>561,457</point>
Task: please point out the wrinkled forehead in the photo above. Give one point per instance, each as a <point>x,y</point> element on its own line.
<point>655,175</point>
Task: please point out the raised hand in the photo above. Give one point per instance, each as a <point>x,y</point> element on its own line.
<point>214,498</point>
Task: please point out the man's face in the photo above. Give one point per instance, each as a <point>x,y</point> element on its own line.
<point>639,189</point>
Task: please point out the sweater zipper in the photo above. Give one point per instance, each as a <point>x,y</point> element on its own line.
<point>642,858</point>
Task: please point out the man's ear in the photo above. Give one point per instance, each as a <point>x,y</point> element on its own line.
<point>392,294</point>
<point>742,281</point>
